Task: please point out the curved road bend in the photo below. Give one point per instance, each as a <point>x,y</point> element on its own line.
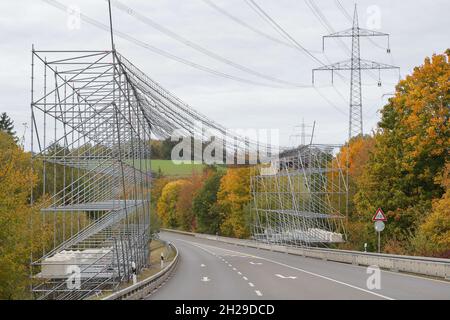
<point>213,270</point>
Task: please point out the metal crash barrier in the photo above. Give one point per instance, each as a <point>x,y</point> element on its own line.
<point>435,267</point>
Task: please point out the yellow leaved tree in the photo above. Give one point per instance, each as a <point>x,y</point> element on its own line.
<point>21,232</point>
<point>233,199</point>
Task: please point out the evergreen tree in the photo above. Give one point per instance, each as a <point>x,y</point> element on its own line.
<point>205,205</point>
<point>6,124</point>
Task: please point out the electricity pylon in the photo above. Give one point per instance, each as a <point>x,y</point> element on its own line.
<point>355,64</point>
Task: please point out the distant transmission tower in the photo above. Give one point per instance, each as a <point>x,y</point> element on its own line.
<point>303,134</point>
<point>355,65</point>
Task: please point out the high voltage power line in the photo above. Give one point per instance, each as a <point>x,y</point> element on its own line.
<point>277,27</point>
<point>349,18</point>
<point>161,52</point>
<point>324,21</point>
<point>355,64</point>
<point>290,42</point>
<point>197,47</point>
<point>250,27</point>
<point>258,9</point>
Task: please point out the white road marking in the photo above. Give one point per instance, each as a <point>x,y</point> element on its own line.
<point>234,269</point>
<point>202,265</point>
<point>239,273</point>
<point>245,278</point>
<point>256,263</point>
<point>294,268</point>
<point>236,255</point>
<point>258,293</point>
<point>205,279</point>
<point>230,265</point>
<point>283,277</point>
<point>251,284</point>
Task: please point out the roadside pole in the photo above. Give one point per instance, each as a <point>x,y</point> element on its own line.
<point>379,241</point>
<point>379,219</point>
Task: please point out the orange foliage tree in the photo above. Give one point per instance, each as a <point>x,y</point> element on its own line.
<point>411,147</point>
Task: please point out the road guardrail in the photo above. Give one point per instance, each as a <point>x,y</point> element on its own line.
<point>145,287</point>
<point>435,267</point>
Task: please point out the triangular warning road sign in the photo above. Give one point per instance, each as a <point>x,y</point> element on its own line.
<point>379,216</point>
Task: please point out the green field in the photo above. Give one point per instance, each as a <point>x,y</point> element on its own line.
<point>168,168</point>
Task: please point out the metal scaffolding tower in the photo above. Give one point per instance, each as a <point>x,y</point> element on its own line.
<point>93,117</point>
<point>296,201</point>
<point>355,65</point>
<point>93,147</point>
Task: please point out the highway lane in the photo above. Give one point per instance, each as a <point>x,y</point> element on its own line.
<point>213,270</point>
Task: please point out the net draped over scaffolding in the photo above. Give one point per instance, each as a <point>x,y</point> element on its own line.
<point>93,117</point>
<point>296,200</point>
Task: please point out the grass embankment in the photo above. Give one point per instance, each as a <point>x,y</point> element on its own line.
<point>156,247</point>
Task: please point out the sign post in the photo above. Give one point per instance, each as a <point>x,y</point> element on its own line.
<point>379,219</point>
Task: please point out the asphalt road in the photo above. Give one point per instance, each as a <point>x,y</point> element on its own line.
<point>213,270</point>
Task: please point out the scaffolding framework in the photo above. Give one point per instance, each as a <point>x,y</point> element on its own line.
<point>297,200</point>
<point>93,116</point>
<point>91,142</point>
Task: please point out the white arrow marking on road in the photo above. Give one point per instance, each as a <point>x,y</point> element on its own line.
<point>283,277</point>
<point>202,265</point>
<point>205,279</point>
<point>257,263</point>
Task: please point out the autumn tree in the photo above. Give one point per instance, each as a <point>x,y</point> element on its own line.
<point>18,237</point>
<point>353,156</point>
<point>233,199</point>
<point>205,205</point>
<point>433,236</point>
<point>167,203</point>
<point>410,149</point>
<point>186,215</point>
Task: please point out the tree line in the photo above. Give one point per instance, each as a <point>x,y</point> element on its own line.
<point>213,202</point>
<point>403,166</point>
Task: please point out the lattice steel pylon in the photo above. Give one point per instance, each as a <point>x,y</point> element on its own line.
<point>355,65</point>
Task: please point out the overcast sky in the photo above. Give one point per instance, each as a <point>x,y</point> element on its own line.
<point>418,29</point>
